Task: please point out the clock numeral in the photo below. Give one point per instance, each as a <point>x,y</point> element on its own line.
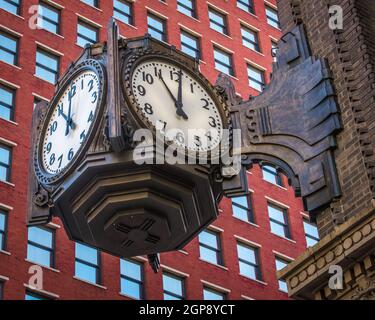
<point>161,125</point>
<point>212,122</point>
<point>53,127</point>
<point>192,88</point>
<point>180,137</point>
<point>141,90</point>
<point>60,159</point>
<point>91,85</point>
<point>206,104</point>
<point>148,109</point>
<point>158,72</point>
<point>60,109</point>
<point>70,154</point>
<point>173,74</point>
<point>208,135</point>
<point>198,141</point>
<point>72,92</point>
<point>91,117</point>
<point>49,147</point>
<point>52,159</point>
<point>83,136</point>
<point>94,96</point>
<point>147,77</point>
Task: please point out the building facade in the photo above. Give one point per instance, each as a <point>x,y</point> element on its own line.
<point>235,258</point>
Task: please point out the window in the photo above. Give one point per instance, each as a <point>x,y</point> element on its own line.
<point>48,18</point>
<point>8,48</point>
<point>248,259</point>
<point>280,264</point>
<point>256,78</point>
<point>173,287</point>
<point>7,102</point>
<point>190,45</point>
<point>210,294</point>
<point>5,162</point>
<point>311,232</point>
<point>3,229</point>
<point>279,221</point>
<point>242,208</point>
<point>40,246</point>
<point>209,247</point>
<point>12,6</point>
<point>123,11</point>
<point>94,3</point>
<point>272,175</point>
<point>250,38</point>
<point>47,66</point>
<point>87,263</point>
<point>131,278</point>
<point>223,61</point>
<point>274,50</point>
<point>246,5</point>
<point>156,27</point>
<point>218,21</point>
<point>33,296</point>
<point>272,17</point>
<point>86,34</point>
<point>186,7</point>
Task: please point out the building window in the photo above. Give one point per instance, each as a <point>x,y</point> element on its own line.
<point>87,263</point>
<point>211,294</point>
<point>190,45</point>
<point>218,21</point>
<point>246,5</point>
<point>94,3</point>
<point>40,246</point>
<point>279,221</point>
<point>47,66</point>
<point>274,50</point>
<point>86,34</point>
<point>210,247</point>
<point>280,264</point>
<point>48,18</point>
<point>311,232</point>
<point>187,7</point>
<point>248,259</point>
<point>256,78</point>
<point>272,175</point>
<point>123,11</point>
<point>5,162</point>
<point>8,48</point>
<point>173,287</point>
<point>157,27</point>
<point>242,208</point>
<point>272,17</point>
<point>3,229</point>
<point>131,278</point>
<point>250,38</point>
<point>12,6</point>
<point>33,296</point>
<point>223,61</point>
<point>7,102</point>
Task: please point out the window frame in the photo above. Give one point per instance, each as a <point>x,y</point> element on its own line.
<point>198,41</point>
<point>131,10</point>
<point>52,250</point>
<point>98,267</point>
<point>4,232</point>
<point>218,251</point>
<point>256,266</point>
<point>261,72</point>
<point>255,43</point>
<point>138,282</point>
<point>18,6</point>
<point>54,9</point>
<point>286,225</point>
<point>8,167</point>
<point>13,106</point>
<point>249,210</point>
<point>277,22</point>
<point>305,220</point>
<point>16,54</point>
<point>282,260</point>
<point>231,67</point>
<point>87,25</point>
<point>207,288</point>
<point>95,5</point>
<point>164,32</point>
<point>183,286</point>
<point>249,5</point>
<point>34,294</point>
<point>278,177</point>
<point>52,56</point>
<point>222,15</point>
<point>193,8</point>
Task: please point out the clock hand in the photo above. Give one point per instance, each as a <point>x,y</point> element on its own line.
<point>178,103</point>
<point>69,113</point>
<point>70,122</point>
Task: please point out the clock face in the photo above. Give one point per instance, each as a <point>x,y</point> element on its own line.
<point>70,123</point>
<point>178,105</point>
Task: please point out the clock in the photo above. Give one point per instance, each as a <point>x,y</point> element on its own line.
<point>178,103</point>
<point>70,121</point>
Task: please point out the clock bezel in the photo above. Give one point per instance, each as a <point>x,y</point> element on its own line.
<point>141,56</point>
<point>97,67</point>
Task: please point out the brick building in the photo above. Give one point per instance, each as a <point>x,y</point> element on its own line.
<point>237,257</point>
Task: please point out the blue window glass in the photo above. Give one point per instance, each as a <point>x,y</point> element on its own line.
<point>218,21</point>
<point>280,264</point>
<point>47,66</point>
<point>248,260</point>
<point>223,61</point>
<point>94,3</point>
<point>210,294</point>
<point>190,45</point>
<point>209,247</point>
<point>8,48</point>
<point>48,17</point>
<point>7,102</point>
<point>272,17</point>
<point>311,232</point>
<point>131,278</point>
<point>86,34</point>
<point>246,5</point>
<point>156,27</point>
<point>3,230</point>
<point>242,208</point>
<point>87,265</point>
<point>186,7</point>
<point>122,10</point>
<point>12,6</point>
<point>256,78</point>
<point>173,287</point>
<point>250,38</point>
<point>40,246</point>
<point>5,162</point>
<point>278,221</point>
<point>272,175</point>
<point>33,296</point>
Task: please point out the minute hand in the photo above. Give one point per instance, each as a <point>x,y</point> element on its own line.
<point>179,104</point>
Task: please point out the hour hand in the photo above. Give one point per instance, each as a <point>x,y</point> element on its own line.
<point>69,122</point>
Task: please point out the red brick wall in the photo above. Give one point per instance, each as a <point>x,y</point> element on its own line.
<point>62,283</point>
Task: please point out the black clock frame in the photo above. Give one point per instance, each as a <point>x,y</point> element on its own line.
<point>96,66</point>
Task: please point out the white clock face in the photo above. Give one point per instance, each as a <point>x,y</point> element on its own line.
<point>71,121</point>
<point>177,105</point>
